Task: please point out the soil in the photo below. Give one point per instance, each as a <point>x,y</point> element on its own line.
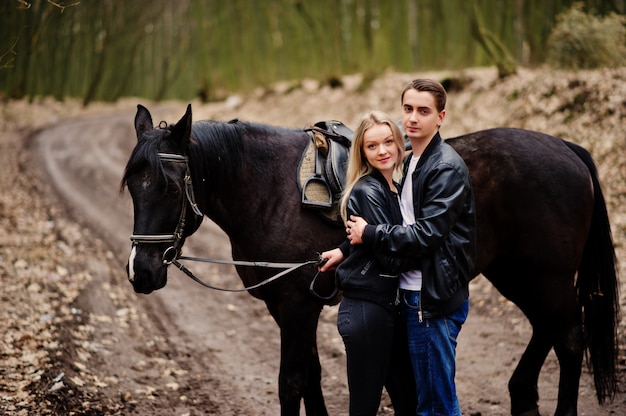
<point>76,339</point>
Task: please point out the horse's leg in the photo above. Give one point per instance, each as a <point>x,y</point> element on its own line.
<point>509,278</point>
<point>569,350</point>
<point>555,320</point>
<point>300,369</point>
<point>313,397</point>
<point>549,302</point>
<point>523,382</point>
<point>563,322</point>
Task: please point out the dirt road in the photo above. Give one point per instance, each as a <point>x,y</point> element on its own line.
<point>186,350</point>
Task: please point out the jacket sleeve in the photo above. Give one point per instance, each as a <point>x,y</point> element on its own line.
<point>344,246</point>
<point>375,207</point>
<point>442,201</point>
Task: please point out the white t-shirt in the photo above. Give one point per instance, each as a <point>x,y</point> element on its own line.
<point>411,280</point>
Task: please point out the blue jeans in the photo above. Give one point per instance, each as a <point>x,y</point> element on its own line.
<point>432,344</point>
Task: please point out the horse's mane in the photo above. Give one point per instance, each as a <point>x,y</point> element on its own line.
<point>216,145</point>
<point>222,149</point>
<point>216,149</point>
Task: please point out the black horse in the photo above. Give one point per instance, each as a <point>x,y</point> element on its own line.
<point>544,239</point>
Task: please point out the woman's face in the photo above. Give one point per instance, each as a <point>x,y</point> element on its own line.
<point>380,149</point>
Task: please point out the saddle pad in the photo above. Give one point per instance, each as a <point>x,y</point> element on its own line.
<point>315,191</point>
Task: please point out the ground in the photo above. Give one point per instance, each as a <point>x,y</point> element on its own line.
<point>75,339</point>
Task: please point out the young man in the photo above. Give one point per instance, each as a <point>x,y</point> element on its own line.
<point>438,228</point>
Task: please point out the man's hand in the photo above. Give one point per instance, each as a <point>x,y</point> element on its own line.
<point>356,227</point>
<point>333,258</point>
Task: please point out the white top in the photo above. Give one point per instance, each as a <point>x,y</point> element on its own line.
<point>411,280</point>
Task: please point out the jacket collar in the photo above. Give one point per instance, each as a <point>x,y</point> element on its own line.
<point>379,176</point>
<point>430,148</point>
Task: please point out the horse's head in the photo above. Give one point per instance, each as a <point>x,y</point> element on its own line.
<point>158,180</point>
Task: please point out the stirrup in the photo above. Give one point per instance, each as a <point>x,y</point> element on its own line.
<point>317,204</point>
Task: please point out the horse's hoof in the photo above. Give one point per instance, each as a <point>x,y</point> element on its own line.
<point>532,412</point>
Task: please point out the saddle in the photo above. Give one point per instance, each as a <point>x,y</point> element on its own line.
<point>322,169</point>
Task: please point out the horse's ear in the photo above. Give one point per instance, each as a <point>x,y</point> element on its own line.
<point>182,129</point>
<point>143,120</point>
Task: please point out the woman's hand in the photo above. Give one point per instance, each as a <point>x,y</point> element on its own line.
<point>333,258</point>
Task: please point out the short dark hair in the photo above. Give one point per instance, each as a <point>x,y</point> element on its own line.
<point>431,86</point>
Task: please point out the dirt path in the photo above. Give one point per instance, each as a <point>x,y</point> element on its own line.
<point>185,350</point>
<point>230,338</point>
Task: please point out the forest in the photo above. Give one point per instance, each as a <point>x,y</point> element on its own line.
<point>101,50</point>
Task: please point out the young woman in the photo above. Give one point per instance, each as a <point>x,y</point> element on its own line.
<point>368,320</point>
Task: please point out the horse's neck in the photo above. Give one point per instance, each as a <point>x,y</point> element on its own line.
<point>232,182</point>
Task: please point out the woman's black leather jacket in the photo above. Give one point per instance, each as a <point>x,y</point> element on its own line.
<point>365,273</point>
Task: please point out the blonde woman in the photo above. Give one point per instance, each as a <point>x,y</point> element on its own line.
<point>368,321</point>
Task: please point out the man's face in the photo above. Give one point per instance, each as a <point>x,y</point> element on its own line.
<point>420,118</point>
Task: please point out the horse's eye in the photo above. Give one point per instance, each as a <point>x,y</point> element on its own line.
<point>173,189</point>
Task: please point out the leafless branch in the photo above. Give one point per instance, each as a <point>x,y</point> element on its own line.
<point>10,53</point>
<point>62,6</point>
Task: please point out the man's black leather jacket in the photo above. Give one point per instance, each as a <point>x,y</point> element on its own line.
<point>443,236</point>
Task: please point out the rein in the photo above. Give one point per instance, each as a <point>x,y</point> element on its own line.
<point>172,254</point>
<point>289,267</point>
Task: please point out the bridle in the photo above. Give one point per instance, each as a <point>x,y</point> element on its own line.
<point>172,254</point>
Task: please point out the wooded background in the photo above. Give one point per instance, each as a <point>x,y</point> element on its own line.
<point>181,49</point>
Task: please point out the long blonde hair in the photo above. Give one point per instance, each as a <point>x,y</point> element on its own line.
<point>358,166</point>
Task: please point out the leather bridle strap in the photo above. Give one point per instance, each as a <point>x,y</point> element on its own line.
<point>289,267</point>
<point>171,253</point>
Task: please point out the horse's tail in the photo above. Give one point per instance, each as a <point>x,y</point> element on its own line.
<point>597,288</point>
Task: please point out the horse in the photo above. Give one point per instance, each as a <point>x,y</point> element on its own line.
<point>543,240</point>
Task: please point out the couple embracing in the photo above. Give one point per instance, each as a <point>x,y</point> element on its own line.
<point>405,266</point>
